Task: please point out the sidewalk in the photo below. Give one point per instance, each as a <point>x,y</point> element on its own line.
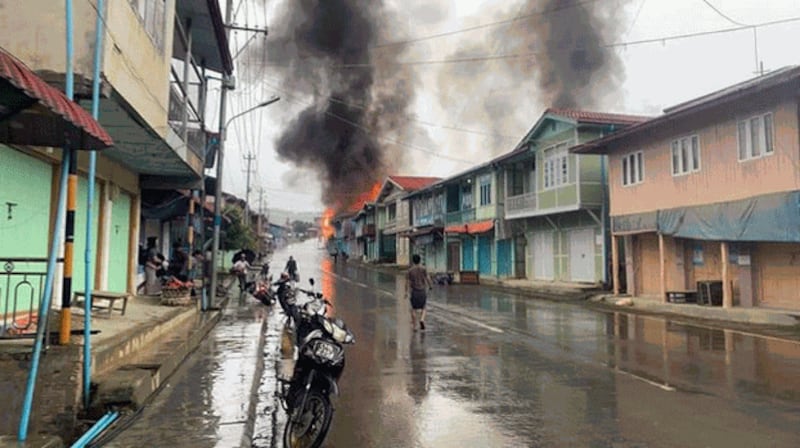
<point>132,355</point>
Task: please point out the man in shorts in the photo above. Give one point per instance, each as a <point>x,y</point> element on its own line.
<point>417,283</point>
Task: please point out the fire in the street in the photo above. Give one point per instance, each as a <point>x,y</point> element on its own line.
<point>327,227</point>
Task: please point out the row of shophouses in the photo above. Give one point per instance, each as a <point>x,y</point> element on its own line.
<point>158,60</point>
<point>705,194</point>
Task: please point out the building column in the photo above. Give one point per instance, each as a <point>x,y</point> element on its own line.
<point>133,240</point>
<point>662,267</point>
<point>103,238</point>
<point>630,272</point>
<point>727,293</point>
<point>615,263</point>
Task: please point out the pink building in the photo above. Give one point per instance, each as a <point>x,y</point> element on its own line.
<point>705,199</point>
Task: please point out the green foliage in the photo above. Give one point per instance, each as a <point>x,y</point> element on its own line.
<point>300,226</point>
<point>238,235</point>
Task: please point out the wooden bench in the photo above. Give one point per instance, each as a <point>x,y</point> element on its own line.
<point>469,277</point>
<point>107,296</point>
<point>682,296</point>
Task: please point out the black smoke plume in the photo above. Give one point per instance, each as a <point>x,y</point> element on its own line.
<point>321,50</point>
<point>560,60</point>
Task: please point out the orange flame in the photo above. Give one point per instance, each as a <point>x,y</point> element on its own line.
<point>327,227</point>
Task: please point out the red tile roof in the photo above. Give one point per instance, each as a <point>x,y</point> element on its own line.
<point>412,183</point>
<point>596,117</point>
<point>83,130</point>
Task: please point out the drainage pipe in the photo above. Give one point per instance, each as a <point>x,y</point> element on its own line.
<point>87,313</point>
<point>96,429</point>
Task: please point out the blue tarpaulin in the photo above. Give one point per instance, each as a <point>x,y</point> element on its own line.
<point>774,217</point>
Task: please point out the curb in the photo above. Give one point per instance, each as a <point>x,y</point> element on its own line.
<point>252,408</point>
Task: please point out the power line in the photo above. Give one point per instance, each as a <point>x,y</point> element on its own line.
<point>723,15</point>
<point>483,26</point>
<point>632,43</point>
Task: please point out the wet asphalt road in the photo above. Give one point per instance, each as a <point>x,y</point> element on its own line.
<point>498,370</point>
<point>492,370</point>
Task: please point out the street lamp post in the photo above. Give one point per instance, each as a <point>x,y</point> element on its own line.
<point>218,189</point>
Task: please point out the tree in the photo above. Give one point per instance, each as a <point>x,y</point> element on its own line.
<point>238,235</point>
<point>301,227</point>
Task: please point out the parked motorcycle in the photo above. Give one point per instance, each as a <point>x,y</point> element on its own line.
<point>320,342</point>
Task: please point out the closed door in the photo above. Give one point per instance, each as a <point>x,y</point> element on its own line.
<point>485,254</point>
<point>468,254</point>
<point>542,255</point>
<point>778,275</point>
<point>520,244</point>
<point>119,246</point>
<point>581,255</point>
<point>453,257</point>
<point>504,258</point>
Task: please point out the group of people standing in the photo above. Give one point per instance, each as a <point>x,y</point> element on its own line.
<point>158,270</point>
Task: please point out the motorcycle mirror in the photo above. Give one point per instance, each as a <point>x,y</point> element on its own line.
<point>311,280</point>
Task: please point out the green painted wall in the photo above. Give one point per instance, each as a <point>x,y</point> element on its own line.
<point>79,266</point>
<point>119,245</point>
<point>25,181</point>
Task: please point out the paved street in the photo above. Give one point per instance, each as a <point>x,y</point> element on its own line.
<point>496,370</point>
<point>492,370</point>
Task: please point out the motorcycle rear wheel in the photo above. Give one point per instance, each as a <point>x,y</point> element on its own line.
<point>308,427</point>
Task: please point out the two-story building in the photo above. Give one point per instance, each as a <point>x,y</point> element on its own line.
<point>426,235</point>
<point>394,217</point>
<point>706,196</point>
<point>473,202</point>
<point>155,54</point>
<point>556,202</point>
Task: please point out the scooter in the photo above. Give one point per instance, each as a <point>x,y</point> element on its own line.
<point>306,397</point>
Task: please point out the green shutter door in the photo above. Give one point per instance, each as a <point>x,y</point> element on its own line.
<point>79,261</point>
<point>119,248</point>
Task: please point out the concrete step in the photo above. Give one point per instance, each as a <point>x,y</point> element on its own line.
<point>130,385</point>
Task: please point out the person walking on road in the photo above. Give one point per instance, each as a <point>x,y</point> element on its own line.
<point>417,284</point>
<point>240,269</point>
<point>291,268</point>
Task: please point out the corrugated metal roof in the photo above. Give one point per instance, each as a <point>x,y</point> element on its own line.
<point>412,183</point>
<point>585,116</point>
<point>77,123</point>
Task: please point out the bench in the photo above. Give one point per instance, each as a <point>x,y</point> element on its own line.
<point>682,296</point>
<point>469,277</point>
<point>107,296</point>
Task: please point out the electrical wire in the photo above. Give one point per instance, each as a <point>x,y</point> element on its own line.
<point>723,15</point>
<point>624,44</point>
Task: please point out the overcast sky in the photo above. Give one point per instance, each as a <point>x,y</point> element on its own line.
<point>656,75</point>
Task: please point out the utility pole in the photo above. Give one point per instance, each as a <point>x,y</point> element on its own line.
<point>227,84</point>
<point>218,189</point>
<point>249,158</point>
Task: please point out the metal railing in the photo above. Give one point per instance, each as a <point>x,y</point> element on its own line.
<point>461,216</point>
<point>520,204</point>
<point>21,285</point>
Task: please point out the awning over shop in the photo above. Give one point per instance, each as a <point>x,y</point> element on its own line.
<point>34,113</point>
<point>771,217</point>
<point>471,228</point>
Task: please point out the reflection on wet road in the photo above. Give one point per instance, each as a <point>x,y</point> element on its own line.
<point>498,370</point>
<point>206,401</point>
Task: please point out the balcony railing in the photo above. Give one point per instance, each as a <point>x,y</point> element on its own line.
<point>520,205</point>
<point>461,216</point>
<point>366,230</point>
<point>195,136</point>
<point>436,219</point>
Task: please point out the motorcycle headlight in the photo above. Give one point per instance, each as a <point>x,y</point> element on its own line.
<point>325,351</point>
